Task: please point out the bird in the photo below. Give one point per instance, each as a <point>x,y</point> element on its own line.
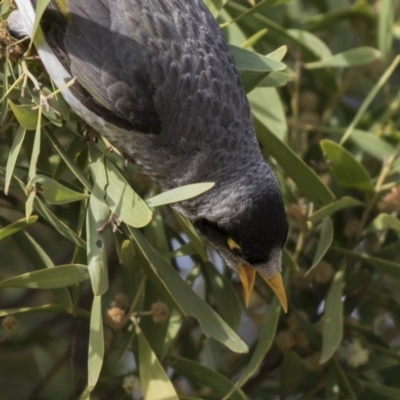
<point>158,80</point>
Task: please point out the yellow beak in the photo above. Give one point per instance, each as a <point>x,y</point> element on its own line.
<point>247,276</point>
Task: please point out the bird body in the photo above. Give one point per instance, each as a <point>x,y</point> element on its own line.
<point>156,77</point>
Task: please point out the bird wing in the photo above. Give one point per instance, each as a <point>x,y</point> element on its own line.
<point>112,79</point>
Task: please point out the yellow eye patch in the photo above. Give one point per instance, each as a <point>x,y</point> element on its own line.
<point>232,244</point>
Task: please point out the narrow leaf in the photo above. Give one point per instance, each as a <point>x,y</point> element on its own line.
<point>266,338</point>
<point>96,344</point>
<point>179,194</point>
<point>304,177</point>
<point>382,222</point>
<point>192,305</point>
<point>345,168</point>
<point>247,60</point>
<point>206,376</point>
<point>154,381</point>
<point>51,278</point>
<point>36,147</point>
<point>17,226</point>
<point>120,197</point>
<point>26,117</point>
<point>343,202</point>
<point>190,231</point>
<point>69,161</point>
<point>350,58</point>
<point>41,6</point>
<point>332,331</point>
<point>324,242</point>
<point>54,192</point>
<point>97,213</point>
<point>12,157</point>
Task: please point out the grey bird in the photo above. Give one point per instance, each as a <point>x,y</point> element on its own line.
<point>156,78</point>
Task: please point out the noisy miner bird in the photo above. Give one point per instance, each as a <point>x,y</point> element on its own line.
<point>157,79</point>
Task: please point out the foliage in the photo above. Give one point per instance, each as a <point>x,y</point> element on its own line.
<point>97,285</point>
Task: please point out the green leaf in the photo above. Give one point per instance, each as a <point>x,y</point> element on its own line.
<point>120,197</point>
<point>225,296</point>
<point>57,224</point>
<point>342,379</point>
<point>190,231</point>
<point>154,382</point>
<point>51,278</point>
<point>206,376</point>
<point>311,42</point>
<point>324,242</point>
<point>332,330</point>
<point>54,192</point>
<point>345,168</point>
<point>383,391</point>
<point>41,6</point>
<point>96,344</point>
<point>97,213</point>
<point>46,308</point>
<point>350,58</point>
<point>189,303</point>
<point>382,222</point>
<point>179,194</point>
<point>247,60</point>
<point>372,144</point>
<point>26,117</point>
<point>304,177</point>
<point>40,260</point>
<point>215,6</point>
<point>17,226</point>
<point>276,79</point>
<point>69,161</point>
<point>258,8</point>
<point>343,202</point>
<point>36,147</point>
<point>293,373</point>
<point>368,99</point>
<point>267,107</point>
<point>12,157</point>
<point>264,343</point>
<point>385,26</point>
<point>288,261</point>
<point>385,266</point>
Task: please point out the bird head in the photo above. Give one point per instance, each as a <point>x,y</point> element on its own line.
<point>249,229</point>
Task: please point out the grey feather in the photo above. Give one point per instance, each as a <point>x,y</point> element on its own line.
<point>157,78</point>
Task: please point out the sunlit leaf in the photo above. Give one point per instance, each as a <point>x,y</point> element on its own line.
<point>96,216</point>
<point>17,226</point>
<point>382,222</point>
<point>54,192</point>
<point>27,118</point>
<point>120,197</point>
<point>247,60</point>
<point>154,381</point>
<point>179,194</point>
<point>96,343</point>
<point>51,278</point>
